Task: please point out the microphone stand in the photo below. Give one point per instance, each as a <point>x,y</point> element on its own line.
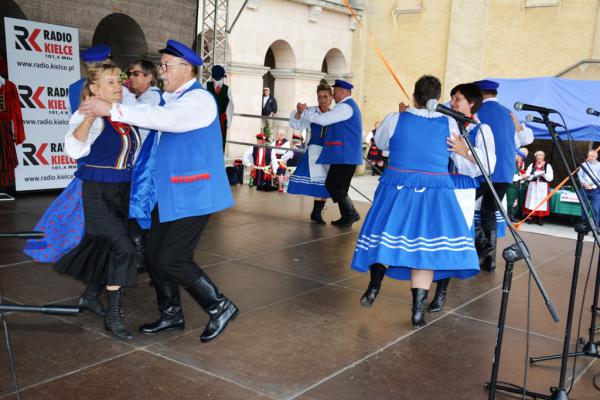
<point>590,349</point>
<point>511,254</point>
<point>4,307</point>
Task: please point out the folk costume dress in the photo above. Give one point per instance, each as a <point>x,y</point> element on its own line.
<point>538,175</point>
<point>415,221</point>
<point>105,163</point>
<point>309,177</point>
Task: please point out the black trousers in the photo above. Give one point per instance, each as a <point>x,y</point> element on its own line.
<point>488,205</point>
<point>338,180</point>
<point>170,249</point>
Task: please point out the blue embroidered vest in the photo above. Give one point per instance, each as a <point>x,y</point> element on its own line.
<point>498,118</point>
<point>317,134</point>
<point>419,153</point>
<point>111,156</point>
<point>343,140</point>
<point>255,156</point>
<point>190,175</point>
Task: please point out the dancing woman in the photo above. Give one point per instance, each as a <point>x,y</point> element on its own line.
<point>466,98</point>
<point>309,177</point>
<point>415,229</point>
<point>104,151</point>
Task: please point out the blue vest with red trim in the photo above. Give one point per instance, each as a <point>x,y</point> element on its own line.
<point>111,156</point>
<point>255,156</point>
<point>343,140</point>
<point>190,171</point>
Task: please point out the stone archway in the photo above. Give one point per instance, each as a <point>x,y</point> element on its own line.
<point>334,64</point>
<point>124,35</point>
<point>12,10</point>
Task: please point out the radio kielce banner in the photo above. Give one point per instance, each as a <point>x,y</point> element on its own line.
<point>43,60</point>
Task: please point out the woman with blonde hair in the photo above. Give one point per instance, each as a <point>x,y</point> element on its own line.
<point>309,177</point>
<point>105,151</point>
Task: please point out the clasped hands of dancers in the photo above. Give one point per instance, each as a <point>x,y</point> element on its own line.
<point>419,226</point>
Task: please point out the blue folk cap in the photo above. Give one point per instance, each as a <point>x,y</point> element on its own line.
<point>343,84</point>
<point>180,50</point>
<point>99,52</point>
<point>486,84</point>
<point>218,72</point>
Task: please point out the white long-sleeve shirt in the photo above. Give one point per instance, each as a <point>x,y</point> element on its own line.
<point>196,109</point>
<point>340,112</point>
<point>388,126</point>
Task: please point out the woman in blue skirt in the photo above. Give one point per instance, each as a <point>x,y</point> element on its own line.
<point>309,177</point>
<point>466,98</point>
<point>415,229</point>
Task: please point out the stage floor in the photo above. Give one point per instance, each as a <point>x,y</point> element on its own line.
<point>301,333</point>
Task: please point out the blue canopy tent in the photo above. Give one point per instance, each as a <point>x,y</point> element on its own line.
<point>571,97</point>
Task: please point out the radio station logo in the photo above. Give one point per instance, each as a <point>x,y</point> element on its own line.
<point>49,98</point>
<point>44,41</point>
<point>46,154</point>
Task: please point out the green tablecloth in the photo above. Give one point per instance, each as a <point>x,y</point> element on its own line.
<point>564,207</point>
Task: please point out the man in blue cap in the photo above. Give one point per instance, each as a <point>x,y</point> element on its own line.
<point>499,118</point>
<point>342,148</point>
<point>179,181</point>
<point>99,53</point>
<point>224,99</point>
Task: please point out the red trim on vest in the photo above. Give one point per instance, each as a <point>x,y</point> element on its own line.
<point>190,178</point>
<point>334,143</point>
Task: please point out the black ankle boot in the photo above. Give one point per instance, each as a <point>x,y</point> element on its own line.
<point>171,314</point>
<point>139,241</point>
<point>377,274</point>
<point>315,215</point>
<point>90,299</point>
<point>488,261</point>
<point>418,309</point>
<point>113,318</point>
<point>349,213</point>
<point>219,308</point>
<point>441,292</point>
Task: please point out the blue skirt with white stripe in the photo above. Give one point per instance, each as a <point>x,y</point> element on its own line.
<point>302,183</point>
<point>416,228</point>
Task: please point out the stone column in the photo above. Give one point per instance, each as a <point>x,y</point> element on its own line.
<point>246,81</point>
<point>466,43</point>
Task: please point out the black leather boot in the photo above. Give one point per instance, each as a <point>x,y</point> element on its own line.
<point>139,241</point>
<point>489,257</point>
<point>418,309</point>
<point>482,243</point>
<point>113,318</point>
<point>219,308</point>
<point>349,214</point>
<point>315,215</point>
<point>441,291</point>
<point>171,314</point>
<point>341,208</point>
<point>90,299</point>
<point>377,274</point>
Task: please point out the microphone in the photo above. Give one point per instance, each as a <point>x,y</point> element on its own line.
<point>434,105</point>
<point>591,111</point>
<point>529,107</point>
<point>533,118</point>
